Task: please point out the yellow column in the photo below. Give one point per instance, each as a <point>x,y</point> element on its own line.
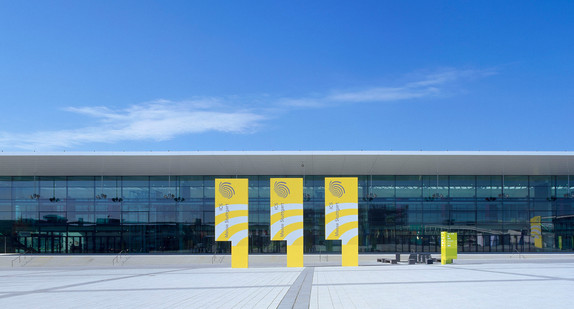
<point>232,218</point>
<point>342,216</point>
<point>286,213</point>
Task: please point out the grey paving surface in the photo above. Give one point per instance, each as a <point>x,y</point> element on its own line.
<point>464,285</point>
<point>299,293</point>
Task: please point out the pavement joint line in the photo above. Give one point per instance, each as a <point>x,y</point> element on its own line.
<point>515,274</point>
<point>160,289</point>
<point>47,290</point>
<point>299,294</point>
<point>429,282</point>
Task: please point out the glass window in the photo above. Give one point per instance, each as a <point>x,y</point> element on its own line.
<point>489,212</point>
<point>408,186</point>
<point>25,181</point>
<point>318,185</point>
<point>489,188</point>
<point>308,189</point>
<point>193,217</point>
<point>53,193</point>
<point>209,217</point>
<point>26,215</point>
<point>462,186</point>
<point>162,187</point>
<point>191,187</point>
<point>135,206</point>
<point>541,187</point>
<point>463,213</point>
<point>435,187</point>
<point>25,193</point>
<point>164,206</point>
<point>5,215</point>
<point>73,205</point>
<point>107,206</point>
<point>515,187</point>
<point>54,217</point>
<point>135,217</point>
<point>436,213</point>
<point>5,181</point>
<point>105,218</point>
<point>515,212</point>
<point>541,208</point>
<point>5,206</point>
<point>195,192</point>
<point>383,186</point>
<point>5,193</point>
<point>81,217</point>
<point>81,181</point>
<point>45,205</point>
<point>413,211</point>
<point>5,188</point>
<point>163,216</point>
<point>562,187</point>
<point>25,206</point>
<point>565,208</point>
<point>58,181</point>
<point>135,188</point>
<point>192,206</point>
<point>81,193</point>
<point>209,187</point>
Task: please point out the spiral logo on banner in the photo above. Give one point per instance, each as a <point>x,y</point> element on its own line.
<point>336,188</point>
<point>226,190</point>
<point>281,189</point>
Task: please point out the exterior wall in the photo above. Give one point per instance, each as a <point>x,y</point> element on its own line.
<point>163,214</point>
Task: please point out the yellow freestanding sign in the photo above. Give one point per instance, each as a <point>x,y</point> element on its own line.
<point>536,231</point>
<point>448,247</point>
<point>231,218</point>
<point>342,216</point>
<point>286,212</point>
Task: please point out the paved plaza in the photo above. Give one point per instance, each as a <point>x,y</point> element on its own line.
<point>468,284</point>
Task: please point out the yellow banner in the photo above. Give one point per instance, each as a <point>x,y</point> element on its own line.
<point>286,211</point>
<point>232,218</point>
<point>536,231</point>
<point>342,216</point>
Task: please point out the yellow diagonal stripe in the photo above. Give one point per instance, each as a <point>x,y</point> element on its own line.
<point>343,212</point>
<point>290,228</point>
<point>297,242</point>
<point>232,230</point>
<point>287,213</point>
<point>343,228</point>
<point>232,214</point>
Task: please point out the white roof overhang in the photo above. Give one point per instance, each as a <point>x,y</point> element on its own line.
<point>279,163</point>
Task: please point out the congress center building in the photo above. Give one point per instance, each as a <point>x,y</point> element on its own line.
<point>164,202</point>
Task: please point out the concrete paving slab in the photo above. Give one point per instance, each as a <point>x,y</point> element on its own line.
<point>459,285</point>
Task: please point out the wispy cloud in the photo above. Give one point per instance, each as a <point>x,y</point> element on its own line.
<point>417,86</point>
<point>157,121</point>
<point>163,120</point>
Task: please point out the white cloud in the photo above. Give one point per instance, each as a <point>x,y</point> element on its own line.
<point>417,86</point>
<point>163,120</point>
<point>384,94</point>
<point>157,121</point>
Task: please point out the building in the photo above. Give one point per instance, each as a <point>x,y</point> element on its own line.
<point>163,202</point>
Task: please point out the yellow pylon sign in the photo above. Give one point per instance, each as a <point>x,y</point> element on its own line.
<point>536,231</point>
<point>286,210</point>
<point>232,218</point>
<point>448,247</point>
<point>342,216</point>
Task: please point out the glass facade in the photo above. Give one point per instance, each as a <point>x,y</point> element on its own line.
<point>163,214</point>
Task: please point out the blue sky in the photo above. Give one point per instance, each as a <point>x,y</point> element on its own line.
<point>286,75</point>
